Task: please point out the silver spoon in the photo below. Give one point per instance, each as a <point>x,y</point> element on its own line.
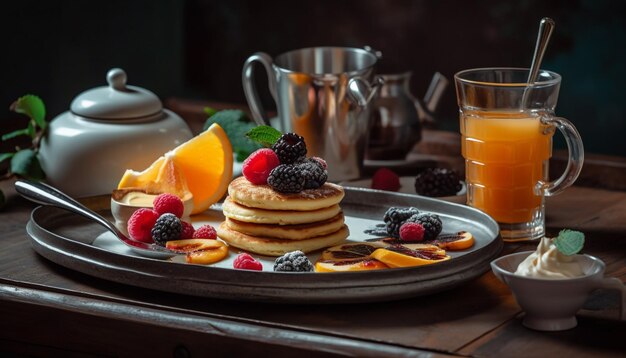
<point>546,27</point>
<point>47,195</point>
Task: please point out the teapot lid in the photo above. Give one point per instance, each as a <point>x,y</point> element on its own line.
<point>117,101</point>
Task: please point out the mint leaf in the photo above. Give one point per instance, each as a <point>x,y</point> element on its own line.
<point>25,163</point>
<point>5,156</point>
<point>569,242</point>
<point>265,135</point>
<point>236,124</point>
<point>16,133</point>
<point>33,107</point>
<point>209,111</point>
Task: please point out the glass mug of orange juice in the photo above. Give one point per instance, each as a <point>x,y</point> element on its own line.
<point>507,128</point>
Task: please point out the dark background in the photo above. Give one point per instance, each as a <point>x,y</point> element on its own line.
<point>195,49</point>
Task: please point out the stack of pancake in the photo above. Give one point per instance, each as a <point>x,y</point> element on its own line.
<point>266,222</point>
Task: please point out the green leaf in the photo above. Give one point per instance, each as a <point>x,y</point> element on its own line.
<point>25,163</point>
<point>569,242</point>
<point>16,133</point>
<point>209,111</point>
<point>33,107</point>
<point>265,135</point>
<point>5,156</point>
<point>236,124</point>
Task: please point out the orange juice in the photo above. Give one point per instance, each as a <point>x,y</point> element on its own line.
<point>506,158</point>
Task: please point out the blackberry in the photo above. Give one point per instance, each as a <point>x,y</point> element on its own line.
<point>286,178</point>
<point>290,147</point>
<point>395,217</point>
<point>166,228</point>
<point>314,173</point>
<point>431,222</point>
<point>437,182</point>
<point>294,261</point>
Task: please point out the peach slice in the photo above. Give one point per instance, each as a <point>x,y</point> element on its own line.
<point>460,241</point>
<point>200,251</point>
<point>349,257</point>
<point>363,264</point>
<point>402,256</point>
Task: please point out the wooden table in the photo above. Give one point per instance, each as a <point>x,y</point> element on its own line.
<point>50,310</point>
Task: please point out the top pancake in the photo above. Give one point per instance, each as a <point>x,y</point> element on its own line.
<point>264,197</point>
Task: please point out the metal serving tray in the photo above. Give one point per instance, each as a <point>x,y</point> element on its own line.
<point>71,241</point>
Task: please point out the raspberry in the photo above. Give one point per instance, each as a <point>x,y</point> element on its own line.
<point>257,167</point>
<point>140,224</point>
<point>431,222</point>
<point>205,232</point>
<point>244,261</point>
<point>287,179</point>
<point>289,147</point>
<point>294,261</point>
<point>314,173</point>
<point>166,228</point>
<point>187,231</point>
<point>385,179</point>
<point>169,203</point>
<point>395,217</point>
<point>412,232</point>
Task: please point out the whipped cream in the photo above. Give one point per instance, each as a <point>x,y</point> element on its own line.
<point>548,262</point>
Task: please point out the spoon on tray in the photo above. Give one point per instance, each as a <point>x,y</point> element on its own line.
<point>47,195</point>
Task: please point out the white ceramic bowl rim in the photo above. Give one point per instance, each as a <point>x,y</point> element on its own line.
<point>597,268</point>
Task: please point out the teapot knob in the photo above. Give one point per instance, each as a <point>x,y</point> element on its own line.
<point>116,77</point>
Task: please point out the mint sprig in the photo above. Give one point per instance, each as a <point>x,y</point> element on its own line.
<point>569,242</point>
<point>236,124</point>
<point>24,161</point>
<point>264,135</point>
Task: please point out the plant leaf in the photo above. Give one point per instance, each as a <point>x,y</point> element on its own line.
<point>16,133</point>
<point>25,163</point>
<point>265,135</point>
<point>209,111</point>
<point>5,156</point>
<point>30,130</point>
<point>236,124</point>
<point>569,242</point>
<point>33,107</point>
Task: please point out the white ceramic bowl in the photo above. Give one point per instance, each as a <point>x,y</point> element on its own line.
<point>551,304</point>
<point>122,212</point>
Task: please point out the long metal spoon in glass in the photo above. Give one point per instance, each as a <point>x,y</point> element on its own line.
<point>546,27</point>
<point>47,195</point>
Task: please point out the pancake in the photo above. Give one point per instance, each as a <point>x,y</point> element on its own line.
<point>239,212</point>
<point>288,232</point>
<point>264,197</point>
<point>277,247</point>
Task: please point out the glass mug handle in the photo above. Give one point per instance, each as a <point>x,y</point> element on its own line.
<point>575,159</point>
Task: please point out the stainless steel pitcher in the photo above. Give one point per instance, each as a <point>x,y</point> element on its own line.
<point>323,94</point>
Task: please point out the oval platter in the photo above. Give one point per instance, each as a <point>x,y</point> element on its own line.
<point>76,243</point>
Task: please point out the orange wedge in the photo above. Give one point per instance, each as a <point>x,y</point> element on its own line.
<point>203,166</point>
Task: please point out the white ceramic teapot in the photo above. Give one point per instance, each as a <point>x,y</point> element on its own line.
<point>108,129</point>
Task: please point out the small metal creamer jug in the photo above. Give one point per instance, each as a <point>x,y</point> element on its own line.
<point>398,117</point>
<point>323,94</point>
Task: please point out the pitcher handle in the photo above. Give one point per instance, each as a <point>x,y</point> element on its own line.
<point>575,159</point>
<point>249,87</point>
